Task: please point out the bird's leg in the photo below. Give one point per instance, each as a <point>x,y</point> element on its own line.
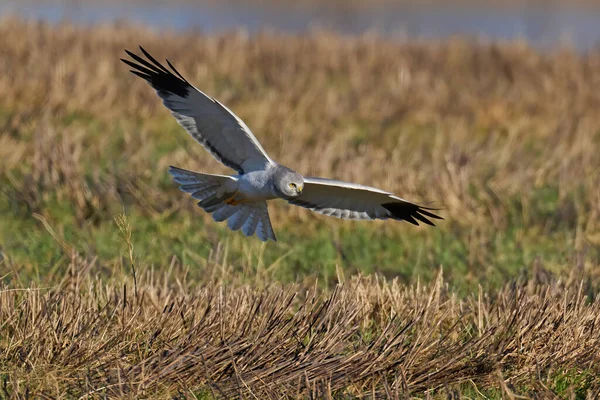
<point>231,201</point>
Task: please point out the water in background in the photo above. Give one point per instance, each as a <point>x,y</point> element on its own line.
<point>544,25</point>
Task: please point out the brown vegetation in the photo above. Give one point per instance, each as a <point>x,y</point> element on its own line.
<point>366,338</point>
<point>505,139</point>
<point>463,124</point>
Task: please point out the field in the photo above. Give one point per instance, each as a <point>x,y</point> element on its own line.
<point>113,283</point>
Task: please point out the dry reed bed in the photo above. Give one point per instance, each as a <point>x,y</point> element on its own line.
<point>366,337</point>
<point>467,125</point>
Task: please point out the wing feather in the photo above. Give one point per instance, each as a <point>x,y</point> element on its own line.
<point>224,212</point>
<point>252,218</point>
<point>209,122</point>
<point>250,225</point>
<point>237,220</point>
<point>352,201</point>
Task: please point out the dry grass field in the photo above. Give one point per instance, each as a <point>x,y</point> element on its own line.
<point>113,284</point>
<point>365,338</point>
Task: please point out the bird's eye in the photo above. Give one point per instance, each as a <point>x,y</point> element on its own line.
<point>293,185</point>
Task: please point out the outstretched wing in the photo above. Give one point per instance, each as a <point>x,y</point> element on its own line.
<point>212,124</point>
<point>352,201</point>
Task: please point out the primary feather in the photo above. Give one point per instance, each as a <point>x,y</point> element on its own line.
<point>212,124</point>
<point>352,201</point>
<point>241,199</point>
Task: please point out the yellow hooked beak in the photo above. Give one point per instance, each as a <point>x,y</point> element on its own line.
<point>300,189</point>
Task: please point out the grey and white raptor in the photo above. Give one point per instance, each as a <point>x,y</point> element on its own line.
<point>242,199</point>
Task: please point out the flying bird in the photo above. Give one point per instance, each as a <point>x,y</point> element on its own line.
<point>241,199</point>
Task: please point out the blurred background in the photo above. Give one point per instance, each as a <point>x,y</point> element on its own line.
<point>487,111</point>
<point>114,283</point>
<point>545,24</point>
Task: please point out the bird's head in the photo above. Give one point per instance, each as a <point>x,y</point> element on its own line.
<point>288,183</point>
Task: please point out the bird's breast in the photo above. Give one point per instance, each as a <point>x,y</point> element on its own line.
<point>255,186</point>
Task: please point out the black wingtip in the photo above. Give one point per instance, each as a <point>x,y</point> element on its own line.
<point>423,219</point>
<point>410,212</point>
<point>175,70</point>
<point>157,75</point>
<point>422,210</point>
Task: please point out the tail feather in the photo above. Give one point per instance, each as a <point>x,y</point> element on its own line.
<point>251,218</point>
<point>264,230</point>
<point>257,222</point>
<point>250,225</point>
<point>261,231</point>
<point>224,212</point>
<point>238,219</point>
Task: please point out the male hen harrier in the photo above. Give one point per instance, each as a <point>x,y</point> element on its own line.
<point>242,198</point>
